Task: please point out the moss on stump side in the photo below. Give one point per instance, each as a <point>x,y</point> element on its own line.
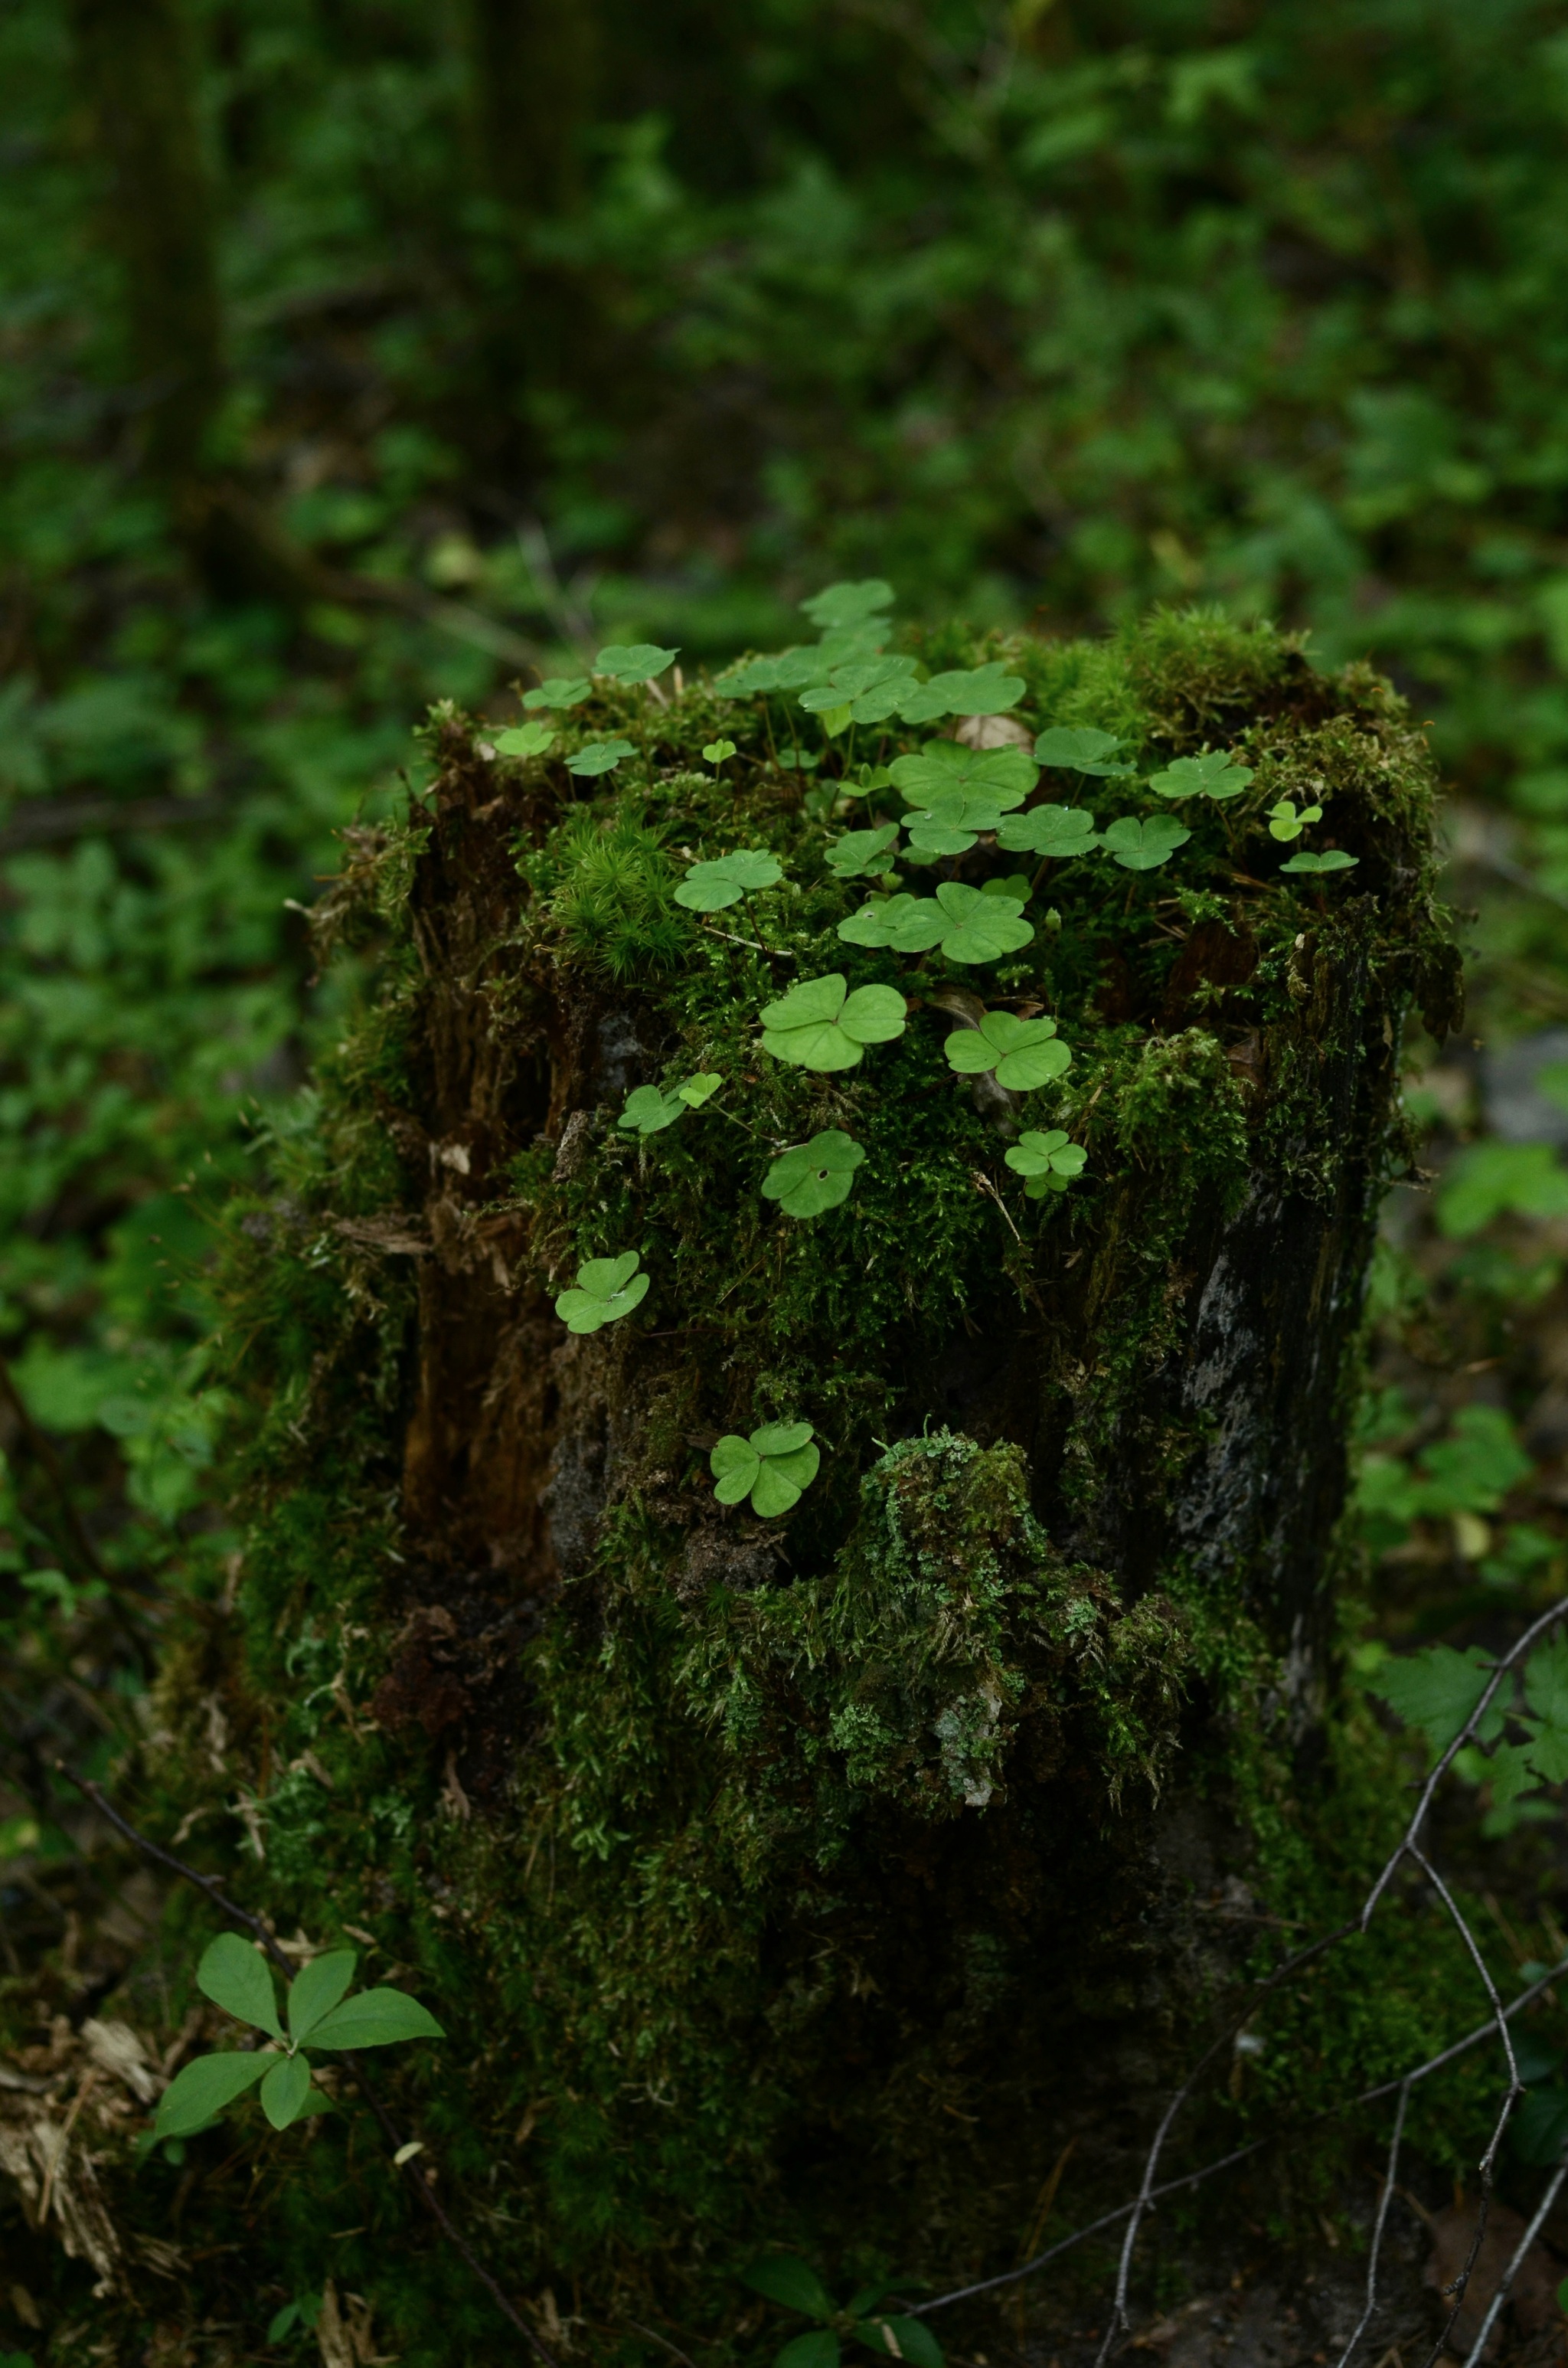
<point>810,1879</point>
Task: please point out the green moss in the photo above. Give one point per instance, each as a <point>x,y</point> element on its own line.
<point>800,1851</point>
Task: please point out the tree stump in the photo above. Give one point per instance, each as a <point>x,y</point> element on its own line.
<point>814,1878</point>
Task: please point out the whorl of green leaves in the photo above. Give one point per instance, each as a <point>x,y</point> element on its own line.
<point>1143,845</point>
<point>605,1290</point>
<point>863,854</point>
<point>1080,750</point>
<point>1060,832</point>
<point>710,887</point>
<point>1214,774</point>
<point>820,1025</point>
<point>771,1467</point>
<point>524,740</point>
<point>560,691</point>
<point>971,925</point>
<point>814,1175</point>
<point>1049,1162</point>
<point>1023,1054</point>
<point>635,661</point>
<point>598,756</point>
<point>1288,822</point>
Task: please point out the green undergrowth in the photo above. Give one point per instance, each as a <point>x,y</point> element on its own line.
<point>803,1879</point>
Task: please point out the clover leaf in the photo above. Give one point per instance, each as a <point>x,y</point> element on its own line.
<point>1143,845</point>
<point>1214,774</point>
<point>718,752</point>
<point>649,1111</point>
<point>1286,823</point>
<point>771,1467</point>
<point>813,1176</point>
<point>981,927</point>
<point>1061,832</point>
<point>1080,750</point>
<point>1003,775</point>
<point>605,1290</point>
<point>863,854</point>
<point>820,1025</point>
<point>709,887</point>
<point>1048,1161</point>
<point>1024,1054</point>
<point>634,661</point>
<point>969,690</point>
<point>598,756</point>
<point>848,604</point>
<point>910,925</point>
<point>1015,885</point>
<point>1333,860</point>
<point>237,1977</point>
<point>869,687</point>
<point>560,690</point>
<point>781,671</point>
<point>524,740</point>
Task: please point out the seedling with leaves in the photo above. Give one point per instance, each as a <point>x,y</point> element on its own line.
<point>971,925</point>
<point>957,793</point>
<point>1287,822</point>
<point>1143,845</point>
<point>302,2313</point>
<point>772,1468</point>
<point>236,1976</point>
<point>1022,1054</point>
<point>785,2279</point>
<point>848,604</point>
<point>718,752</point>
<point>1080,750</point>
<point>524,740</point>
<point>1436,1690</point>
<point>1047,1162</point>
<point>1214,774</point>
<point>598,756</point>
<point>863,854</point>
<point>864,691</point>
<point>560,691</point>
<point>710,887</point>
<point>820,1025</point>
<point>634,661</point>
<point>814,1175</point>
<point>649,1109</point>
<point>1060,832</point>
<point>1333,858</point>
<point>605,1290</point>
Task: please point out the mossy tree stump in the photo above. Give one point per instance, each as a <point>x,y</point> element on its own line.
<point>813,1880</point>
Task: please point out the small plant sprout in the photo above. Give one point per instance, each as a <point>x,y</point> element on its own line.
<point>1214,774</point>
<point>1060,832</point>
<point>1075,750</point>
<point>848,604</point>
<point>1333,860</point>
<point>1143,845</point>
<point>302,2312</point>
<point>524,740</point>
<point>1024,1055</point>
<point>605,1290</point>
<point>820,1025</point>
<point>971,925</point>
<point>1286,823</point>
<point>814,1175</point>
<point>649,1109</point>
<point>865,780</point>
<point>598,756</point>
<point>718,752</point>
<point>785,2279</point>
<point>560,691</point>
<point>771,1467</point>
<point>237,1977</point>
<point>1047,1162</point>
<point>634,661</point>
<point>863,854</point>
<point>710,887</point>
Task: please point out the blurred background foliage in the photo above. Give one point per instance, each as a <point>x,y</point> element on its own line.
<point>356,353</point>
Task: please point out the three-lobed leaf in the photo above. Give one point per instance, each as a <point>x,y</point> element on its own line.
<point>1333,858</point>
<point>1214,774</point>
<point>524,740</point>
<point>1023,1054</point>
<point>1060,832</point>
<point>598,756</point>
<point>560,691</point>
<point>816,1176</point>
<point>981,927</point>
<point>634,661</point>
<point>848,604</point>
<point>710,887</point>
<point>1005,776</point>
<point>863,854</point>
<point>1049,1161</point>
<point>1288,822</point>
<point>1143,845</point>
<point>966,691</point>
<point>820,1025</point>
<point>1078,749</point>
<point>605,1290</point>
<point>772,1468</point>
<point>237,1977</point>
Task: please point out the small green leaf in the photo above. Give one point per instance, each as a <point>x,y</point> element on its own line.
<point>634,661</point>
<point>524,740</point>
<point>819,1025</point>
<point>860,854</point>
<point>598,756</point>
<point>1333,860</point>
<point>734,1464</point>
<point>718,752</point>
<point>1487,1180</point>
<point>848,604</point>
<point>1286,823</point>
<point>773,1466</point>
<point>282,2322</point>
<point>238,1978</point>
<point>1143,845</point>
<point>814,1175</point>
<point>909,924</point>
<point>204,2089</point>
<point>868,2297</point>
<point>1082,751</point>
<point>560,690</point>
<point>1214,774</point>
<point>284,2090</point>
<point>316,1989</point>
<point>710,887</point>
<point>867,687</point>
<point>700,1089</point>
<point>606,1289</point>
<point>1049,1161</point>
<point>818,2348</point>
<point>1546,1691</point>
<point>968,690</point>
<point>376,2019</point>
<point>980,928</point>
<point>648,1111</point>
<point>903,2339</point>
<point>1024,1055</point>
<point>1436,1690</point>
<point>785,2279</point>
<point>1061,832</point>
